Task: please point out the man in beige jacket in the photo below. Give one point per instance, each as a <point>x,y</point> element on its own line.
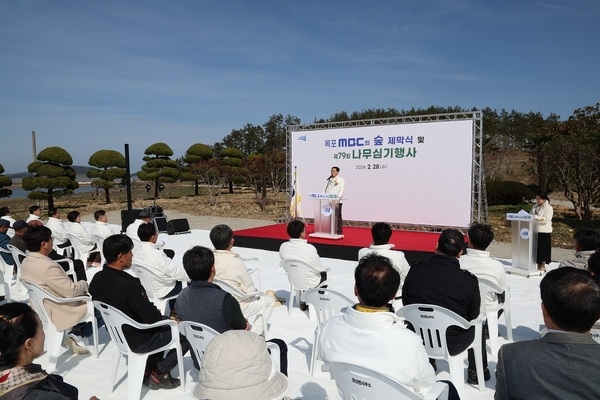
<point>38,268</point>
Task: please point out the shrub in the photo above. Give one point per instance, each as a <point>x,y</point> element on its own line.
<point>507,192</point>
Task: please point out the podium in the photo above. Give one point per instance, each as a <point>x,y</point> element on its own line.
<point>324,205</point>
<point>524,245</point>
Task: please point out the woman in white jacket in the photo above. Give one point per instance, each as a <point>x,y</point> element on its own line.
<point>543,213</point>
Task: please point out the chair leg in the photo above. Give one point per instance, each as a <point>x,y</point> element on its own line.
<point>136,365</point>
<point>291,300</point>
<point>95,334</point>
<point>508,322</point>
<point>112,374</point>
<point>478,352</point>
<point>457,372</point>
<point>275,355</point>
<point>492,324</point>
<point>180,367</point>
<point>315,352</point>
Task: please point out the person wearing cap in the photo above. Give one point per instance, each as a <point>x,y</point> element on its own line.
<point>35,212</point>
<point>5,214</point>
<point>132,230</point>
<point>441,282</point>
<point>20,227</point>
<point>369,334</point>
<point>237,365</point>
<point>4,240</point>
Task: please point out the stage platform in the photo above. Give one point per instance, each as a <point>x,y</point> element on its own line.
<point>417,246</point>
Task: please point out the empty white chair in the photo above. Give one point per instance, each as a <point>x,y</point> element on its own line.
<point>136,362</point>
<point>146,276</point>
<point>491,312</point>
<point>251,296</point>
<point>358,383</point>
<point>297,271</point>
<point>326,303</point>
<point>431,322</point>
<point>54,338</point>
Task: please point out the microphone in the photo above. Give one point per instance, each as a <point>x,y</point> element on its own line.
<point>330,176</point>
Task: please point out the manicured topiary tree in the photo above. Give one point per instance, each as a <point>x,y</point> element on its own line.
<point>110,166</point>
<point>5,182</point>
<point>52,177</point>
<point>195,154</point>
<point>159,167</point>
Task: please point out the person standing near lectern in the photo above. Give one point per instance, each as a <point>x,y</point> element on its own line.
<point>335,185</point>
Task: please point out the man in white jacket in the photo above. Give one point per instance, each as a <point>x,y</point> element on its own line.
<point>381,234</point>
<point>61,237</point>
<point>231,269</point>
<point>101,230</point>
<point>148,255</point>
<point>371,336</point>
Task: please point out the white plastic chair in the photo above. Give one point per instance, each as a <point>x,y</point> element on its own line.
<point>253,266</point>
<point>595,333</point>
<point>198,335</point>
<point>7,275</point>
<point>251,296</point>
<point>136,362</point>
<point>358,383</point>
<point>431,322</point>
<point>297,271</point>
<point>99,242</point>
<point>6,286</point>
<point>78,247</point>
<point>146,277</point>
<point>326,303</point>
<point>18,256</point>
<point>54,338</point>
<point>491,313</point>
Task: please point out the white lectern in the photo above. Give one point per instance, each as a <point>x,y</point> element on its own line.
<point>524,244</point>
<point>324,205</point>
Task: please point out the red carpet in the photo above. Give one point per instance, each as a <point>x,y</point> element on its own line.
<point>416,245</point>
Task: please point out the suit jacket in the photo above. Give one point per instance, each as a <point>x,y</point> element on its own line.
<point>45,272</point>
<point>561,365</point>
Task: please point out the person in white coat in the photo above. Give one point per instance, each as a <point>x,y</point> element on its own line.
<point>101,230</point>
<point>381,233</point>
<point>81,239</point>
<point>543,213</point>
<point>61,237</point>
<point>336,185</point>
<point>369,335</point>
<point>168,276</point>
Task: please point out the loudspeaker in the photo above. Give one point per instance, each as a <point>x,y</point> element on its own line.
<point>127,217</point>
<point>161,224</point>
<point>177,226</point>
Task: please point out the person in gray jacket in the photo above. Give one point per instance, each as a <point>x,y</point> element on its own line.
<point>562,364</point>
<point>587,241</point>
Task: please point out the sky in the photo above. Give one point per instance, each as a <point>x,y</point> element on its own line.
<point>95,75</point>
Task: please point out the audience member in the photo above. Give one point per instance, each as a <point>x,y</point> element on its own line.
<point>101,230</point>
<point>20,228</point>
<point>593,265</point>
<point>114,286</point>
<point>167,276</point>
<point>61,237</point>
<point>368,333</point>
<point>38,268</point>
<point>220,310</point>
<point>562,364</point>
<point>4,240</point>
<point>381,233</point>
<point>144,217</point>
<point>478,261</point>
<point>5,214</point>
<point>587,241</point>
<point>237,365</point>
<point>82,239</point>
<point>230,268</point>
<point>35,212</point>
<point>441,282</point>
<point>22,341</point>
<point>297,248</point>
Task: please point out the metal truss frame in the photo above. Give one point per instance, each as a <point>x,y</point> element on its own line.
<point>479,208</point>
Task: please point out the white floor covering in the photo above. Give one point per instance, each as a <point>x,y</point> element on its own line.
<point>90,374</point>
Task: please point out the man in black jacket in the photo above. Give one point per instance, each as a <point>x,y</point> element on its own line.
<point>441,282</point>
<point>121,290</point>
